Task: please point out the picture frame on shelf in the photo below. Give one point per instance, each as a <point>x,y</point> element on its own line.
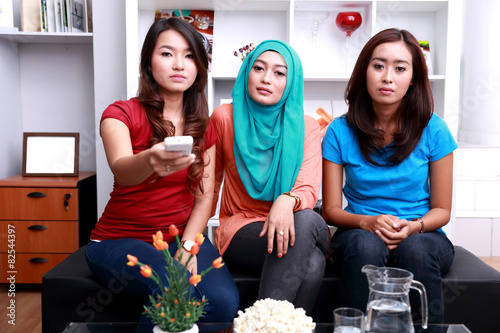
<point>202,20</point>
<point>48,154</point>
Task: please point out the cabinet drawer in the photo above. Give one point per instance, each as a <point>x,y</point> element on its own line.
<point>37,203</point>
<point>40,236</point>
<point>29,267</point>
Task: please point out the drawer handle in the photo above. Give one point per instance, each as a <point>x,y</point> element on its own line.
<point>37,227</point>
<point>67,196</point>
<point>36,195</point>
<point>38,260</point>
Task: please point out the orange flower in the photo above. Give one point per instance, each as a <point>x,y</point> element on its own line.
<point>199,239</point>
<point>146,271</point>
<point>188,314</point>
<point>173,230</point>
<point>173,319</point>
<point>158,305</point>
<point>176,301</point>
<point>162,314</point>
<point>218,263</point>
<point>195,249</point>
<point>158,241</point>
<point>132,261</point>
<point>195,279</point>
<point>160,245</point>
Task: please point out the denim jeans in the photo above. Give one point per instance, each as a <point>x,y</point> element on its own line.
<point>427,256</point>
<point>295,277</point>
<point>107,259</point>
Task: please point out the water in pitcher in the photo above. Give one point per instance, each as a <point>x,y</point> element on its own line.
<point>348,329</point>
<point>389,316</point>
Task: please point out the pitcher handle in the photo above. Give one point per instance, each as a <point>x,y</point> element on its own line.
<point>423,300</point>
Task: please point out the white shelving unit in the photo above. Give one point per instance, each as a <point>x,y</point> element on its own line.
<point>237,23</point>
<point>46,85</point>
<point>56,82</point>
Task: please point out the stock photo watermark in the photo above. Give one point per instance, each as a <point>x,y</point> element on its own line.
<point>11,273</point>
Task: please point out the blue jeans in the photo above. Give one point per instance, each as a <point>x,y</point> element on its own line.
<point>427,256</point>
<point>107,259</point>
<point>295,277</point>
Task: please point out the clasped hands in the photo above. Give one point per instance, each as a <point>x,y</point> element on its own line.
<point>390,229</point>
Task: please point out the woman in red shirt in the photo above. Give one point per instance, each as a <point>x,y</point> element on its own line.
<point>155,188</point>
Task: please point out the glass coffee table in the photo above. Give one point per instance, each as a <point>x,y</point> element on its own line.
<point>228,328</point>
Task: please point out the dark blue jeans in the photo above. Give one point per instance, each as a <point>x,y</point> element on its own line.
<point>108,259</point>
<point>295,277</point>
<point>427,256</point>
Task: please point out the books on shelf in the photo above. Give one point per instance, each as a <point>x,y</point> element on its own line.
<point>30,15</point>
<point>202,20</point>
<point>55,16</point>
<point>424,45</point>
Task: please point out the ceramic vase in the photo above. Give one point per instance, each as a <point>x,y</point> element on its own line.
<point>193,329</point>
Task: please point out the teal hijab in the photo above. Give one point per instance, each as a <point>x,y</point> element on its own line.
<point>269,139</point>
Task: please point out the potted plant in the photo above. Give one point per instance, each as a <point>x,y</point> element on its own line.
<point>175,309</point>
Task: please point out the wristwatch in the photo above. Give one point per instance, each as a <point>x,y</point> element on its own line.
<point>187,244</point>
<point>421,220</point>
<point>295,196</point>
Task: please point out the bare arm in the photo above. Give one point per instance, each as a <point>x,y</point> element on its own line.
<point>441,184</point>
<point>130,169</point>
<point>202,207</point>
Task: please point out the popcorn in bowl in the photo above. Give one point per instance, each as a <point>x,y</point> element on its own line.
<point>272,316</point>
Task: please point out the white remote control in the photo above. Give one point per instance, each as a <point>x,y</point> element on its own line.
<point>179,143</point>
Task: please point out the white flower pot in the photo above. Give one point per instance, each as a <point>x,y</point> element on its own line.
<point>193,329</point>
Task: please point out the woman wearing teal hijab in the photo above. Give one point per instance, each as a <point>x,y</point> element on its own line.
<point>269,160</point>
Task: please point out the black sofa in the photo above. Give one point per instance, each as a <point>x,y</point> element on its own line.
<point>71,293</point>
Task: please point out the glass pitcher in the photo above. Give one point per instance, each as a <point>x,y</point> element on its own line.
<point>388,308</point>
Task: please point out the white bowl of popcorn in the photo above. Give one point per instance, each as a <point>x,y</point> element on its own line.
<point>272,316</point>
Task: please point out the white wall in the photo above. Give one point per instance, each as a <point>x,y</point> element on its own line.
<point>480,81</point>
<point>109,79</point>
<point>11,134</point>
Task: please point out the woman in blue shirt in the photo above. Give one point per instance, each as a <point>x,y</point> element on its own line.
<point>397,156</point>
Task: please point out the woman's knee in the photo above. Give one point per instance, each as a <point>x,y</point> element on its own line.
<point>363,243</point>
<point>310,224</point>
<point>425,250</point>
<point>224,303</point>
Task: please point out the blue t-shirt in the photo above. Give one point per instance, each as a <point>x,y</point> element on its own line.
<point>401,190</point>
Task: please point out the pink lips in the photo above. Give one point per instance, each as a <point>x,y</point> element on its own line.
<point>386,90</point>
<point>264,91</point>
<point>178,78</point>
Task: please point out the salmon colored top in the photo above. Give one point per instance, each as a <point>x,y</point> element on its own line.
<point>237,208</point>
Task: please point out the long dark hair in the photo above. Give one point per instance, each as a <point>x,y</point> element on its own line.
<point>196,117</point>
<point>413,113</point>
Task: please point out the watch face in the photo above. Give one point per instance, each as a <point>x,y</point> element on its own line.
<point>187,245</point>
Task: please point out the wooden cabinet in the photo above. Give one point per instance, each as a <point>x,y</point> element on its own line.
<point>42,221</point>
